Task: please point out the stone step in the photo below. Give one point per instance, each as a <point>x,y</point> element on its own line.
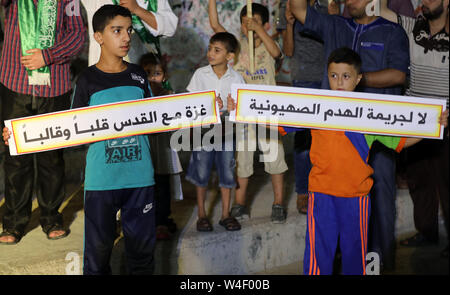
<point>260,245</point>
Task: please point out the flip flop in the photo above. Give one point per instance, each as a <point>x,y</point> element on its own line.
<point>56,227</point>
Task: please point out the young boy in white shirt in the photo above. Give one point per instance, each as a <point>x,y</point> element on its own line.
<point>219,76</point>
<point>267,51</point>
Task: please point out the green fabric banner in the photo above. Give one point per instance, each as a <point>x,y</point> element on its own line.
<point>37,30</point>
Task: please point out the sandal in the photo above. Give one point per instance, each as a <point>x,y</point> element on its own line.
<point>11,233</point>
<point>302,203</point>
<point>55,227</point>
<point>203,224</point>
<point>418,240</point>
<point>230,223</point>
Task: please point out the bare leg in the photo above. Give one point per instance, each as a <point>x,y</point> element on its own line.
<point>277,185</point>
<point>201,196</point>
<point>302,203</point>
<point>241,190</point>
<point>226,198</point>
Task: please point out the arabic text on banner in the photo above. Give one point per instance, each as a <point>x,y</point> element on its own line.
<point>85,125</point>
<point>338,110</point>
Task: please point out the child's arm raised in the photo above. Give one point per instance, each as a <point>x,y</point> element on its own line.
<point>214,18</point>
<point>288,34</point>
<point>270,44</point>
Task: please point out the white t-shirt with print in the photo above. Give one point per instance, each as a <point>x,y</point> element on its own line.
<point>429,59</point>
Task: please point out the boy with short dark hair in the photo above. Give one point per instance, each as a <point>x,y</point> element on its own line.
<point>340,182</point>
<point>114,178</point>
<point>228,40</point>
<point>222,48</point>
<point>266,51</point>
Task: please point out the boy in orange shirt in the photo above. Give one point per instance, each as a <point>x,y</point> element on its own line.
<point>340,181</point>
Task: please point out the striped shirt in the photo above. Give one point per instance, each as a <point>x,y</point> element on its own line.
<point>429,59</point>
<point>69,39</point>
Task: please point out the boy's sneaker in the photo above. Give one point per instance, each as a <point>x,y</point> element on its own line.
<point>278,214</point>
<point>239,212</point>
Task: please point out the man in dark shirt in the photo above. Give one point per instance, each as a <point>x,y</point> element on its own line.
<point>427,167</point>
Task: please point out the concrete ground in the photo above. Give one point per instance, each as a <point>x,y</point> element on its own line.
<point>409,261</point>
<point>37,255</point>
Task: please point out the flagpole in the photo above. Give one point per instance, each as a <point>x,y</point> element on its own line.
<point>250,40</point>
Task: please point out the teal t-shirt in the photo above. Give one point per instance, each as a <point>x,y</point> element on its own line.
<point>122,162</point>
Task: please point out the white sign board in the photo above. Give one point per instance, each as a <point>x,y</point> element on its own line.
<point>338,110</point>
<point>85,125</point>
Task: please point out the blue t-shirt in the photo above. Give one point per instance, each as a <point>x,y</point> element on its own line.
<point>381,44</point>
<point>122,162</point>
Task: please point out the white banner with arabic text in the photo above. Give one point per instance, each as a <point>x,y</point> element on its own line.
<point>90,124</point>
<point>338,110</point>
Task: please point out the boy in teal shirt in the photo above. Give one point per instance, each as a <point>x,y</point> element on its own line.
<point>119,172</point>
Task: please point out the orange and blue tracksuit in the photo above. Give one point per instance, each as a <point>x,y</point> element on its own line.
<point>339,204</point>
